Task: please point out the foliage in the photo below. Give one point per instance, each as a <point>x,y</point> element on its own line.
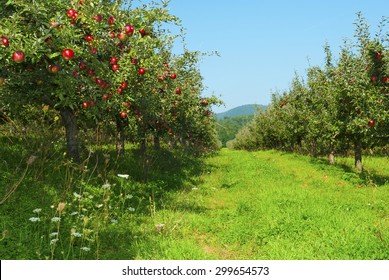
<point>341,106</point>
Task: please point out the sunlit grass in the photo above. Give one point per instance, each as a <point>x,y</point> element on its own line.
<point>232,205</point>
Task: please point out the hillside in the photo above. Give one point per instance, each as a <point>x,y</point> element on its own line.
<point>244,110</point>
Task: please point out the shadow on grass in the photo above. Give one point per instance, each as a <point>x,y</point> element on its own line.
<point>365,177</point>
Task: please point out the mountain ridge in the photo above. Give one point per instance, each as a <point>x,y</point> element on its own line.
<point>243,110</point>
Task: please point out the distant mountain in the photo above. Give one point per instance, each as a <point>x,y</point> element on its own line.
<point>244,110</point>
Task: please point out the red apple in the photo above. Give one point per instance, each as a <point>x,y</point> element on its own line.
<point>134,61</point>
<point>124,85</point>
<point>178,90</point>
<point>143,32</point>
<point>373,78</point>
<point>115,67</point>
<point>82,65</point>
<point>18,56</point>
<point>89,38</point>
<point>85,105</point>
<point>113,60</point>
<point>71,12</point>
<point>142,71</point>
<point>4,41</point>
<point>379,55</point>
<point>122,36</point>
<point>123,115</point>
<point>120,90</point>
<point>91,103</point>
<point>111,20</point>
<point>99,82</point>
<point>68,54</point>
<point>129,29</point>
<point>204,102</point>
<point>98,17</point>
<point>371,123</point>
<point>54,68</point>
<point>173,76</point>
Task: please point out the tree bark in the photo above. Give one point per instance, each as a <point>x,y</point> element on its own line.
<point>120,137</point>
<point>157,143</point>
<point>358,155</point>
<point>72,144</point>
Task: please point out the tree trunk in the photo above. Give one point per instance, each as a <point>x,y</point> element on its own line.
<point>70,122</point>
<point>157,143</point>
<point>358,155</point>
<point>120,149</point>
<point>331,156</point>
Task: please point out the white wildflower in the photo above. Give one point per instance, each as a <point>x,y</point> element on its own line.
<point>100,205</point>
<point>76,234</point>
<point>106,186</point>
<point>55,219</point>
<point>53,241</point>
<point>53,234</point>
<point>35,219</point>
<point>159,227</point>
<point>131,209</point>
<point>114,221</point>
<point>124,176</point>
<point>76,195</point>
<point>73,213</point>
<point>195,189</point>
<point>86,249</point>
<point>37,210</point>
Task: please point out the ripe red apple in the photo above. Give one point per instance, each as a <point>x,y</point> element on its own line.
<point>134,61</point>
<point>122,36</point>
<point>371,123</point>
<point>204,102</point>
<point>18,56</point>
<point>379,55</point>
<point>115,67</point>
<point>120,90</point>
<point>373,78</point>
<point>142,71</point>
<point>91,72</point>
<point>123,115</point>
<point>111,20</point>
<point>71,12</point>
<point>143,32</point>
<point>98,17</point>
<point>104,96</point>
<point>124,85</point>
<point>82,65</point>
<point>4,41</point>
<point>173,76</point>
<point>54,68</point>
<point>129,29</point>
<point>91,103</point>
<point>94,50</point>
<point>385,79</point>
<point>178,90</point>
<point>85,105</point>
<point>99,82</point>
<point>89,38</point>
<point>113,60</point>
<point>68,54</point>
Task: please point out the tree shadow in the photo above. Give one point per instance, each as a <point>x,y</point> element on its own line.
<point>354,176</point>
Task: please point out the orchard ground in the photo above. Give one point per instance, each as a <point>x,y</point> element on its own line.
<point>230,205</point>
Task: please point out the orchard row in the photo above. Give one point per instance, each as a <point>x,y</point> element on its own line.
<point>86,60</point>
<point>340,107</point>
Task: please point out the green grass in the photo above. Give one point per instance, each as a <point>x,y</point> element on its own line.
<point>231,205</point>
<point>269,205</point>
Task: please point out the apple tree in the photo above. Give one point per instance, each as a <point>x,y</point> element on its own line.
<point>86,59</point>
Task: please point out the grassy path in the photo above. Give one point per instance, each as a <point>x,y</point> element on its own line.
<point>268,205</point>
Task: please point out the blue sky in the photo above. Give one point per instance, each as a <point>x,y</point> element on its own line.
<point>263,43</point>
